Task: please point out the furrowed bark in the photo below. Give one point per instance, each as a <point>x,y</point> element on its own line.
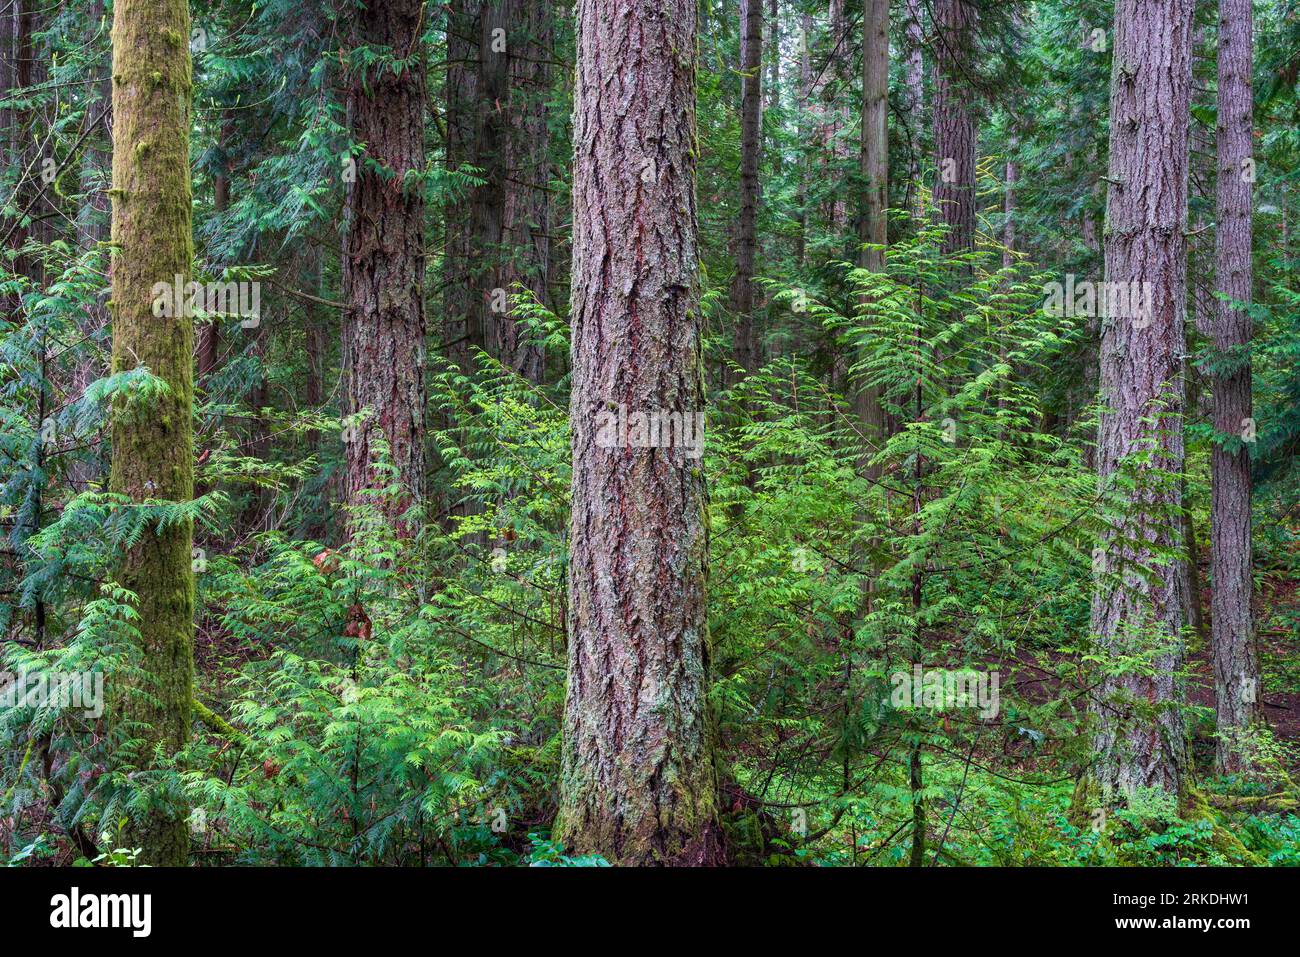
<point>1140,738</point>
<point>751,146</point>
<point>1236,664</point>
<point>487,288</point>
<point>152,450</point>
<point>527,217</point>
<point>383,258</point>
<point>874,170</point>
<point>915,82</point>
<point>638,782</point>
<point>461,93</point>
<point>954,125</point>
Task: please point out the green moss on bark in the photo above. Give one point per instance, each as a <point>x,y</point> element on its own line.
<point>152,443</point>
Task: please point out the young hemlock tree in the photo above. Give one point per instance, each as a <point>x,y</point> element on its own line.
<point>638,783</point>
<point>153,459</point>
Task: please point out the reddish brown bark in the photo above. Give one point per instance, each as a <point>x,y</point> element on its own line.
<point>638,783</point>
<point>954,124</point>
<point>1236,664</point>
<point>383,257</point>
<point>751,146</point>
<point>1141,737</point>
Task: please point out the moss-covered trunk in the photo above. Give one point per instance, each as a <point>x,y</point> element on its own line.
<point>152,451</point>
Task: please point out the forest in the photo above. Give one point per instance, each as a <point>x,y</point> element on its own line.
<point>697,433</point>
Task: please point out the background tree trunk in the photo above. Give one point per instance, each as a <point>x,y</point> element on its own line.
<point>383,257</point>
<point>874,170</point>
<point>1141,739</point>
<point>488,290</point>
<point>638,783</point>
<point>461,97</point>
<point>210,334</point>
<point>751,147</point>
<point>805,127</point>
<point>914,79</point>
<point>954,125</point>
<point>152,454</point>
<point>526,230</point>
<point>94,221</point>
<point>1236,666</point>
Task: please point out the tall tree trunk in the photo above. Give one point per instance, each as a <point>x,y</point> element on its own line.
<point>152,454</point>
<point>210,334</point>
<point>461,107</point>
<point>93,221</point>
<point>526,222</point>
<point>773,54</point>
<point>316,338</point>
<point>488,295</point>
<point>383,257</point>
<point>1236,666</point>
<point>638,784</point>
<point>954,124</point>
<point>1011,172</point>
<point>837,78</point>
<point>802,115</point>
<point>874,155</point>
<point>751,146</point>
<point>914,79</point>
<point>874,170</point>
<point>1140,733</point>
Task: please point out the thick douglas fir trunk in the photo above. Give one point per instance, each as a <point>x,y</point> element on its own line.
<point>638,782</point>
<point>1140,732</point>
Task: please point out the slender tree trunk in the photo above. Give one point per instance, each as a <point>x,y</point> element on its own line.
<point>1140,734</point>
<point>874,156</point>
<point>914,79</point>
<point>805,98</point>
<point>954,125</point>
<point>751,147</point>
<point>874,170</point>
<point>316,338</point>
<point>93,222</point>
<point>210,334</point>
<point>383,258</point>
<point>461,107</point>
<point>1011,171</point>
<point>838,76</point>
<point>1236,666</point>
<point>638,784</point>
<point>488,295</point>
<point>152,454</point>
<point>527,214</point>
<point>773,54</point>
